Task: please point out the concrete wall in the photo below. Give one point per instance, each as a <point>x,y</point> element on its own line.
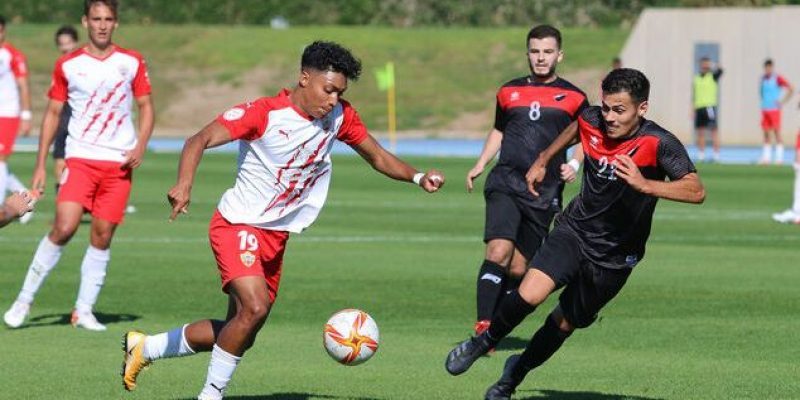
<point>662,46</point>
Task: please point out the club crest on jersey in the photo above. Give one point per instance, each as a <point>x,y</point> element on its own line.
<point>233,114</point>
<point>248,259</point>
<point>560,96</point>
<point>594,141</point>
<point>123,70</point>
<point>514,96</point>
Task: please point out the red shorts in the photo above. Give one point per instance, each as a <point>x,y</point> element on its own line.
<point>244,250</point>
<point>771,120</point>
<point>9,127</point>
<point>101,187</point>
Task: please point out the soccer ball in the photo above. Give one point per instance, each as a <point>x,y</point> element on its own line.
<point>351,337</point>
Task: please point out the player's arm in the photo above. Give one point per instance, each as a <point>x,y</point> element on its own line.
<point>536,173</point>
<point>388,164</point>
<point>687,189</point>
<point>489,152</point>
<point>789,92</point>
<point>146,122</point>
<point>46,135</point>
<point>14,207</point>
<point>569,171</point>
<point>25,105</point>
<point>213,135</point>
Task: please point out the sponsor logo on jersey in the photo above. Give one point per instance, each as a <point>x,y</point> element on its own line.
<point>233,114</point>
<point>514,96</point>
<point>631,260</point>
<point>560,96</point>
<point>248,259</point>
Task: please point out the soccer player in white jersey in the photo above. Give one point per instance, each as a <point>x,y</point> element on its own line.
<point>100,81</point>
<point>15,108</point>
<point>282,181</point>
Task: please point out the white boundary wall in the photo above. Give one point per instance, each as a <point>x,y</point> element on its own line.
<point>662,45</point>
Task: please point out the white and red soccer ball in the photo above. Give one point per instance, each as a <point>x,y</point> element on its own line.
<point>351,337</point>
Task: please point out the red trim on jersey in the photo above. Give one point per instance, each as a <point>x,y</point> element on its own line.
<point>18,64</point>
<point>141,81</point>
<point>353,132</point>
<point>782,82</point>
<point>548,97</point>
<point>643,148</point>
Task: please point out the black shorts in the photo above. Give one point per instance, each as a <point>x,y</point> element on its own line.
<point>705,117</point>
<point>508,218</point>
<point>589,286</point>
<point>60,144</point>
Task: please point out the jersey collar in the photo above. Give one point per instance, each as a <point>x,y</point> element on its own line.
<point>284,95</point>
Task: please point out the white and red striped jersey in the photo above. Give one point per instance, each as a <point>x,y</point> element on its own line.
<point>12,67</point>
<point>100,93</point>
<point>284,161</point>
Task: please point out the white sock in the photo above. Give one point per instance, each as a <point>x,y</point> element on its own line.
<point>14,184</point>
<point>796,204</point>
<point>766,152</point>
<point>701,155</point>
<point>3,179</point>
<point>167,345</point>
<point>220,371</point>
<point>93,274</point>
<point>779,153</point>
<point>44,260</point>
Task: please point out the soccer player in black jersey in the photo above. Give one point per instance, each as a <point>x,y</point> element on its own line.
<point>630,163</point>
<point>531,111</point>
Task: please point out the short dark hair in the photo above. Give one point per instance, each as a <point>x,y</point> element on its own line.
<point>330,56</point>
<point>704,59</point>
<point>2,20</point>
<point>627,80</point>
<point>768,62</point>
<point>67,30</point>
<point>544,31</point>
<point>112,4</point>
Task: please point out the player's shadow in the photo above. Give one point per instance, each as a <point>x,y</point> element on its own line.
<point>294,396</point>
<point>513,343</point>
<point>39,321</point>
<point>567,395</point>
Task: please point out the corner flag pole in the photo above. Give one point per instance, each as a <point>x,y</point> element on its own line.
<point>391,109</point>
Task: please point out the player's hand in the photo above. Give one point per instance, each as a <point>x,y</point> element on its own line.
<point>179,198</point>
<point>534,177</point>
<point>629,172</point>
<point>18,204</point>
<point>568,174</point>
<point>38,180</point>
<point>25,127</point>
<point>475,172</point>
<point>432,181</point>
<point>133,158</point>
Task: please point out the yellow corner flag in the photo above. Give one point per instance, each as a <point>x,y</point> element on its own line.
<point>385,77</point>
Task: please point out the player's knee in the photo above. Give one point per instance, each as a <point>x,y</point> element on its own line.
<point>61,233</point>
<point>253,313</point>
<point>499,253</point>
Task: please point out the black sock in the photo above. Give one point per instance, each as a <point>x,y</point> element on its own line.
<point>510,285</point>
<point>511,312</point>
<point>490,288</point>
<point>544,343</point>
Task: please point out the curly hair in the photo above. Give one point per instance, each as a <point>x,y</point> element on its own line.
<point>627,80</point>
<point>330,56</point>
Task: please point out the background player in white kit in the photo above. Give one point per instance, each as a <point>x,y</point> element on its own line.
<point>281,185</point>
<point>100,81</point>
<point>15,109</point>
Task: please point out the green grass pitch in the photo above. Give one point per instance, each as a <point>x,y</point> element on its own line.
<point>711,313</point>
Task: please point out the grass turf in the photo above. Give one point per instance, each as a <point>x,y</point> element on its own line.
<point>709,314</point>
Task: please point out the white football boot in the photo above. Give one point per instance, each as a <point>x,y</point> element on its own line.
<point>86,320</point>
<point>16,315</point>
<point>787,217</point>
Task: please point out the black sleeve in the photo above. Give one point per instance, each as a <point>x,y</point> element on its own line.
<point>673,158</point>
<point>500,119</point>
<point>717,74</point>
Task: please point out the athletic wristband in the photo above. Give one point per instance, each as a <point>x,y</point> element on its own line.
<point>574,164</point>
<point>417,178</point>
<point>25,115</point>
